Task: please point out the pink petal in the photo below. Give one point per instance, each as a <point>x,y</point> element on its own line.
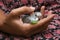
<point>52,26</point>
<point>58,31</point>
<point>48,35</point>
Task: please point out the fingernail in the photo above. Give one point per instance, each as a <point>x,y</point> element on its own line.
<point>33,8</point>
<point>43,7</point>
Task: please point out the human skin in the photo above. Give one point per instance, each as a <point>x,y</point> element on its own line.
<point>12,24</point>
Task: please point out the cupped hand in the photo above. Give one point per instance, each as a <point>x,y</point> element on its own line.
<point>15,25</point>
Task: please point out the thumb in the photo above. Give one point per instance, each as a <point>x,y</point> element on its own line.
<point>21,10</point>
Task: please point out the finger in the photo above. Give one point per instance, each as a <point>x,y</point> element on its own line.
<point>42,10</point>
<point>21,10</point>
<point>46,20</point>
<point>50,12</point>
